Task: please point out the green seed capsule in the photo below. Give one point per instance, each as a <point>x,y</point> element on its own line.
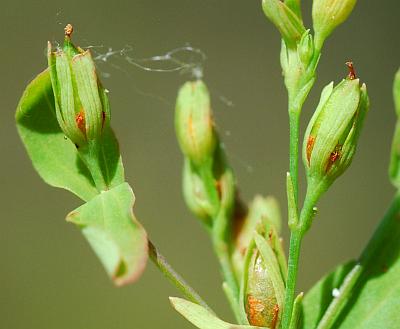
<point>327,15</point>
<point>261,304</point>
<point>332,134</point>
<point>81,102</point>
<point>193,122</point>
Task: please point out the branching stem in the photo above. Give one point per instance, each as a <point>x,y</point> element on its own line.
<point>166,269</point>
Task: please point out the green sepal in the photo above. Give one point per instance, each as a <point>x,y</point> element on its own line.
<point>55,157</point>
<point>202,318</point>
<point>108,223</point>
<point>394,166</point>
<point>295,319</point>
<point>195,194</point>
<point>263,212</point>
<point>396,93</point>
<point>273,270</point>
<point>295,6</point>
<point>292,206</point>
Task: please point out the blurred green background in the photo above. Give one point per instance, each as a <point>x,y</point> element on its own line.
<point>50,278</point>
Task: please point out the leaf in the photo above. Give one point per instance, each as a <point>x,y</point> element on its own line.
<point>54,157</point>
<point>319,297</point>
<point>374,302</point>
<point>201,317</point>
<point>109,225</point>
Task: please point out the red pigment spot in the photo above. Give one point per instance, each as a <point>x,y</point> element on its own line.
<point>80,121</point>
<point>270,235</point>
<point>218,186</point>
<point>335,155</point>
<point>310,146</point>
<point>254,311</point>
<point>275,317</point>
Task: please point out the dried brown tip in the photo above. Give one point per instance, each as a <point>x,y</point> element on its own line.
<point>352,72</point>
<point>68,30</point>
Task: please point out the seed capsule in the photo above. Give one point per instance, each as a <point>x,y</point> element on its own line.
<point>193,122</point>
<point>327,15</point>
<point>261,304</point>
<point>286,21</point>
<point>81,103</point>
<point>332,134</point>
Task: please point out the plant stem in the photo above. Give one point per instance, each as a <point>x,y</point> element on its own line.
<point>221,249</point>
<point>306,215</point>
<point>293,265</point>
<point>165,268</point>
<point>385,227</point>
<point>295,237</point>
<point>294,124</point>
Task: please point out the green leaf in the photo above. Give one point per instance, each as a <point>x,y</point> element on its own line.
<point>108,223</point>
<point>201,317</point>
<point>374,302</point>
<point>54,157</point>
<point>319,297</point>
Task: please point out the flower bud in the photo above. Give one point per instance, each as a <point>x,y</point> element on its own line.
<point>193,122</point>
<point>287,22</point>
<point>332,134</point>
<point>305,49</point>
<point>82,107</point>
<point>327,15</point>
<point>195,194</point>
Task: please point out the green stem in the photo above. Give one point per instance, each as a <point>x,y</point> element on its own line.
<point>221,248</point>
<point>293,265</point>
<point>294,124</point>
<point>384,229</point>
<point>165,268</point>
<point>296,238</point>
